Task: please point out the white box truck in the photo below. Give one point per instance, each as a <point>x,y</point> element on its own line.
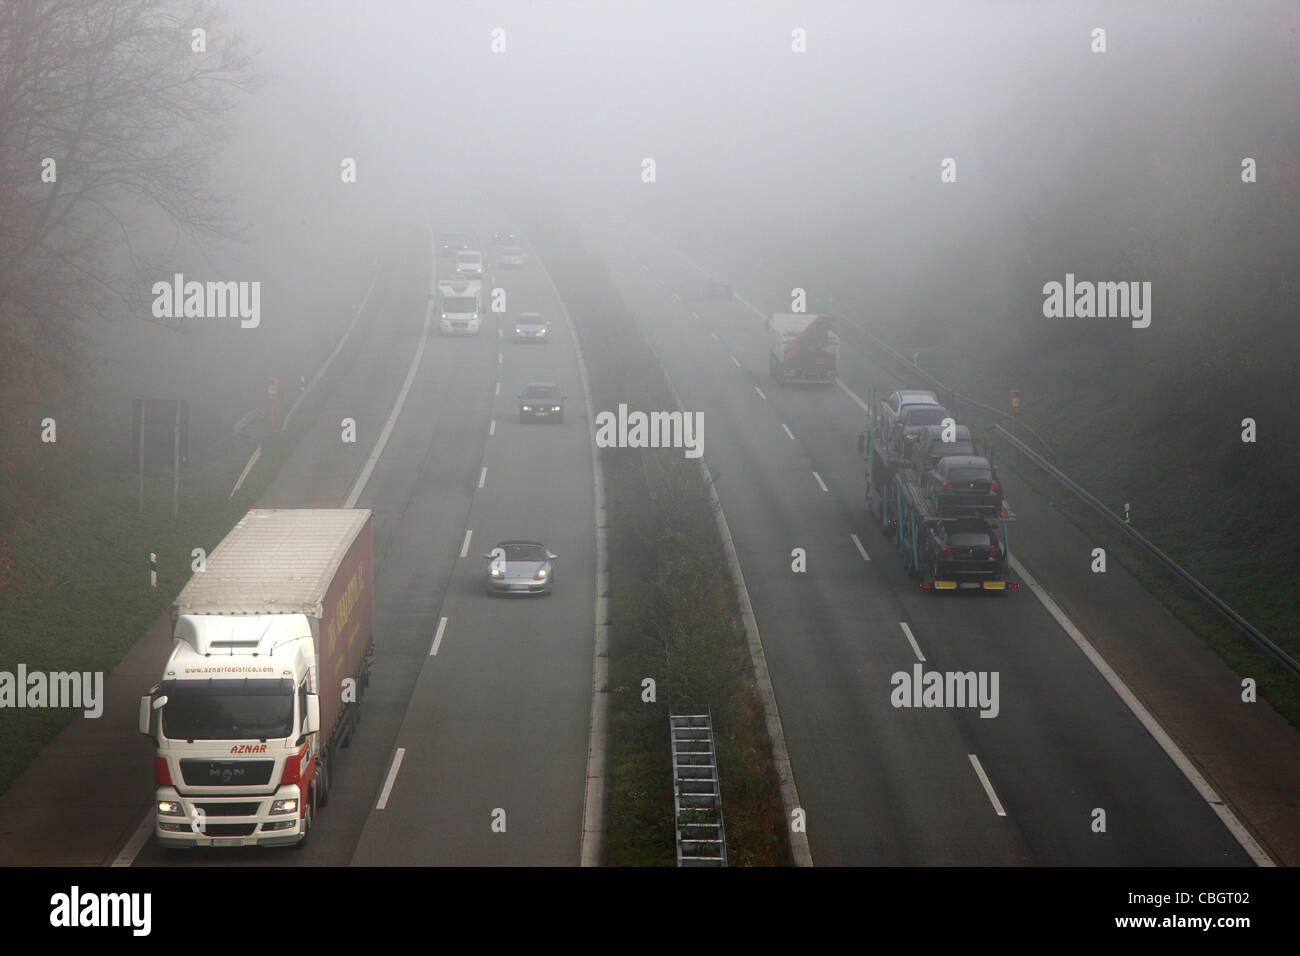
<point>272,645</point>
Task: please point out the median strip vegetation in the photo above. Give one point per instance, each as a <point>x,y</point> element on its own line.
<point>673,606</point>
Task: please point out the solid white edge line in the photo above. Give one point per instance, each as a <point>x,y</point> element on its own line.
<point>392,778</point>
<point>592,842</point>
<point>853,395</point>
<point>861,550</point>
<point>378,450</point>
<point>988,787</point>
<point>1180,759</point>
<point>787,430</point>
<point>464,548</point>
<point>137,841</point>
<point>820,482</point>
<point>907,632</point>
<point>755,309</point>
<point>482,476</point>
<point>760,393</point>
<point>437,637</point>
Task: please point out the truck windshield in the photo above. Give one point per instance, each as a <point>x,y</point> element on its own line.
<point>208,712</point>
<point>460,305</point>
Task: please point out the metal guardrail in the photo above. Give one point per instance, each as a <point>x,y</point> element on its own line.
<point>845,322</point>
<point>1205,594</point>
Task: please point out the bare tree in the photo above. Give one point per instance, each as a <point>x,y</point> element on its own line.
<point>111,112</point>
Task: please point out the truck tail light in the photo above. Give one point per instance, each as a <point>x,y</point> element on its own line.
<point>161,775</point>
<point>994,551</point>
<point>947,484</point>
<point>947,551</point>
<point>995,487</point>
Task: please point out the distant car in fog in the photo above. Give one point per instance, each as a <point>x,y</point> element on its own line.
<point>520,567</point>
<point>541,400</point>
<point>504,239</point>
<point>532,327</point>
<point>511,257</point>
<point>450,243</point>
<point>715,288</point>
<point>469,262</point>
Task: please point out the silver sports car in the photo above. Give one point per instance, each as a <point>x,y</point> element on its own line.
<point>520,567</point>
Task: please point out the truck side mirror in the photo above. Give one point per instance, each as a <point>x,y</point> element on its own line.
<point>311,719</point>
<point>145,714</point>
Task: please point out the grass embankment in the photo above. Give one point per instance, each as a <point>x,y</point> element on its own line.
<point>78,594</point>
<point>674,612</point>
<point>1232,542</point>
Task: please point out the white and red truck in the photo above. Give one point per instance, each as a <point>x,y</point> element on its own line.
<point>802,348</point>
<point>272,646</point>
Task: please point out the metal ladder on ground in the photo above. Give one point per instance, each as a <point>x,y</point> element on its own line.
<point>697,799</point>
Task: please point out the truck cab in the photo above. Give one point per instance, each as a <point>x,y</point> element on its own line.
<point>235,724</point>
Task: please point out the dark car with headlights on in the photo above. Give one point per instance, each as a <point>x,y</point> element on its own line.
<point>541,401</point>
<point>967,548</point>
<point>965,486</point>
<point>450,243</point>
<point>532,327</point>
<point>520,567</point>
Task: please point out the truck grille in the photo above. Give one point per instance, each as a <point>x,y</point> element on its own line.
<point>229,829</point>
<point>229,809</point>
<point>226,773</point>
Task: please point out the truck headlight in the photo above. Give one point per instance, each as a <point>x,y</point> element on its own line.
<point>170,808</point>
<point>285,806</point>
